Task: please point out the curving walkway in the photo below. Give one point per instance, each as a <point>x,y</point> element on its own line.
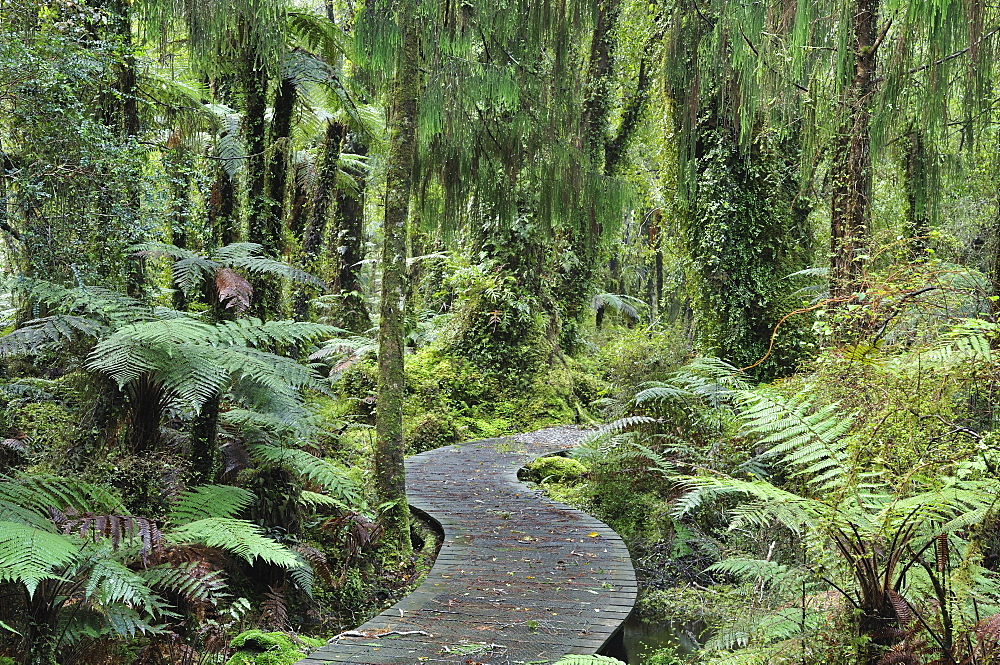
<point>519,578</point>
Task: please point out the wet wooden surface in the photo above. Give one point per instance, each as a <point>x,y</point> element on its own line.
<point>520,579</point>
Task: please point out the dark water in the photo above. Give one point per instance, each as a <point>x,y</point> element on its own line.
<point>642,638</point>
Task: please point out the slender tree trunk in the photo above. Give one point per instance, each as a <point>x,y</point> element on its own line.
<point>349,250</point>
<point>576,280</point>
<point>277,171</point>
<point>852,161</point>
<point>266,298</point>
<point>992,247</point>
<point>222,209</point>
<point>326,187</point>
<point>175,164</point>
<point>918,221</point>
<point>390,482</point>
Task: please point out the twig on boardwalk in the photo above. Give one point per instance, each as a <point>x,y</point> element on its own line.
<point>373,634</point>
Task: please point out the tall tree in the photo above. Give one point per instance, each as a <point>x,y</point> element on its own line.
<point>390,483</point>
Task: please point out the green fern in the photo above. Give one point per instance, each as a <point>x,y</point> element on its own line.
<point>237,537</point>
<point>588,660</point>
<point>970,340</point>
<point>333,480</point>
<point>191,581</point>
<point>808,440</point>
<point>205,501</point>
<point>29,555</point>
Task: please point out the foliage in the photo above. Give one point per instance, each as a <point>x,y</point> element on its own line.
<point>893,541</point>
<point>587,660</point>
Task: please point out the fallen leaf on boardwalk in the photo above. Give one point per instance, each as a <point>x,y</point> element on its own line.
<point>593,534</point>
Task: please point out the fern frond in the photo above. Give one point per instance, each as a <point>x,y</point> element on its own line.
<point>321,472</point>
<point>969,340</point>
<point>42,334</point>
<point>256,333</point>
<point>659,391</point>
<point>29,555</point>
<point>588,660</point>
<point>42,492</point>
<point>807,439</point>
<point>320,35</point>
<point>209,501</point>
<point>241,538</point>
<point>192,581</point>
<point>260,265</point>
<point>622,304</point>
<point>110,582</point>
<point>116,528</point>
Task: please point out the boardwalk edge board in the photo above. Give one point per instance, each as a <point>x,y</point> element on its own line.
<point>519,578</point>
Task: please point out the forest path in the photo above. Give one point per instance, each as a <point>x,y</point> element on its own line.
<point>520,579</point>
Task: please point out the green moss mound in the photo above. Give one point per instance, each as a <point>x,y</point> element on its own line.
<point>557,469</point>
<point>255,647</point>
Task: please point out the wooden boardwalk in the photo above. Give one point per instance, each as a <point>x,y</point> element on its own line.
<point>519,579</point>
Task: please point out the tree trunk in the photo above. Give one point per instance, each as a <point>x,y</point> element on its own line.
<point>266,300</point>
<point>918,223</point>
<point>349,250</point>
<point>222,209</point>
<point>852,162</point>
<point>992,247</point>
<point>312,237</point>
<point>175,164</point>
<point>204,455</point>
<point>576,279</point>
<point>390,483</point>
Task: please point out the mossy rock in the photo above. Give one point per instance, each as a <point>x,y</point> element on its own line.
<point>557,469</point>
<point>255,647</point>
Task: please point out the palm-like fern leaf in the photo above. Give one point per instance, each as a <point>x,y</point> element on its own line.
<point>209,501</point>
<point>29,555</point>
<point>806,439</point>
<point>109,583</point>
<point>48,332</point>
<point>244,539</point>
<point>192,582</point>
<point>318,471</point>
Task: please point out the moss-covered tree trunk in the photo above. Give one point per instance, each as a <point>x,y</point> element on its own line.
<point>326,187</point>
<point>918,222</point>
<point>255,84</point>
<point>222,209</point>
<point>852,161</point>
<point>390,484</point>
<point>576,279</point>
<point>349,248</point>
